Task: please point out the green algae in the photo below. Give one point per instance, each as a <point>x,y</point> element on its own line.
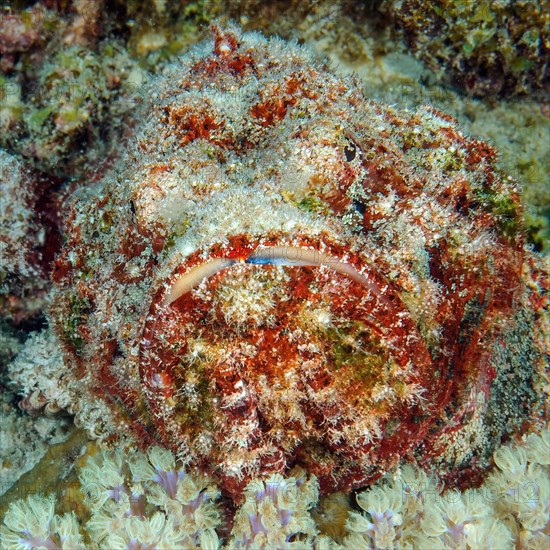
<point>483,47</point>
<point>313,204</point>
<point>504,207</point>
<point>359,351</point>
<point>79,311</point>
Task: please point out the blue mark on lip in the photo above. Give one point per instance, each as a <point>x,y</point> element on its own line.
<point>263,260</point>
<point>276,260</point>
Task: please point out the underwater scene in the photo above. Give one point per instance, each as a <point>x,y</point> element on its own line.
<point>274,274</point>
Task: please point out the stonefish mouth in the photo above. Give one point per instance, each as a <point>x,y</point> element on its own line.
<point>251,352</point>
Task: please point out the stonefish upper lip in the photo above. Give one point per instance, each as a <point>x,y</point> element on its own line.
<point>273,255</point>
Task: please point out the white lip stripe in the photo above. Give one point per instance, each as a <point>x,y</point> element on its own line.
<point>194,276</point>
<point>274,255</point>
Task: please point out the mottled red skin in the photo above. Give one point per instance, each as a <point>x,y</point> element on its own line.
<point>470,363</point>
<point>449,372</point>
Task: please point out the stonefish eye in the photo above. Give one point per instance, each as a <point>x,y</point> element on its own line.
<point>351,148</point>
<point>350,151</point>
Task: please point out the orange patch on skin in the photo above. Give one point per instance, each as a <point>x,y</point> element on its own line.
<point>270,111</point>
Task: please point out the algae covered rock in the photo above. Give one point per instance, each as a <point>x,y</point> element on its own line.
<point>486,47</point>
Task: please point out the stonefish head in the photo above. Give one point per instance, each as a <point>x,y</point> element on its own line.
<point>281,272</point>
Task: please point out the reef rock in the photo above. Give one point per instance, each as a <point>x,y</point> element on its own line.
<point>27,240</point>
<point>280,272</point>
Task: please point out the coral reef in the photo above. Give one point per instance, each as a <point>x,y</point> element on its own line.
<point>280,272</point>
<point>64,93</point>
<point>21,31</point>
<point>154,34</point>
<point>24,440</point>
<point>150,500</point>
<point>71,74</point>
<point>78,97</point>
<point>51,448</point>
<point>147,499</point>
<point>510,510</point>
<point>39,373</point>
<point>275,512</point>
<point>135,499</point>
<point>82,99</point>
<point>486,47</point>
<point>31,523</point>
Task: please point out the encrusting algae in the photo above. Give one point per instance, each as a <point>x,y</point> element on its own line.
<point>485,47</point>
<point>282,290</point>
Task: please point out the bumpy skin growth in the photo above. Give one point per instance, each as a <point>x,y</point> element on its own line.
<point>281,272</point>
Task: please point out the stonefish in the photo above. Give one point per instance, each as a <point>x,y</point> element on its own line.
<point>282,272</point>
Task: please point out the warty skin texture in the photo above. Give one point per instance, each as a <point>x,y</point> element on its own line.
<point>281,272</point>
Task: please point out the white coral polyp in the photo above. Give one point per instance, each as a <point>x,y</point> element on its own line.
<point>538,447</point>
<point>31,523</point>
<point>397,512</point>
<point>488,535</point>
<point>160,505</point>
<point>383,505</point>
<point>274,512</point>
<point>512,462</point>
